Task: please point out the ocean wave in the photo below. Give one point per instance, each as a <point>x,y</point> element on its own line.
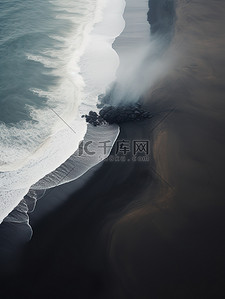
<point>37,147</point>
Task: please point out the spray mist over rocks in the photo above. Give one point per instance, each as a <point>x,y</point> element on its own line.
<point>139,72</point>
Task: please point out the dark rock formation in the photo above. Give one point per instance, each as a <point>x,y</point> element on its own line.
<point>117,115</point>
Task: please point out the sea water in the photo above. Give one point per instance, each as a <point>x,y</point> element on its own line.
<point>56,57</point>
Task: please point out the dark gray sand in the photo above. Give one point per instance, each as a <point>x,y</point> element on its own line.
<point>150,229</point>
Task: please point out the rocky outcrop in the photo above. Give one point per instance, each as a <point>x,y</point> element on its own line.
<point>117,115</point>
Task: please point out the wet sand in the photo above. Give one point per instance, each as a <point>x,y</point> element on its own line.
<point>150,229</point>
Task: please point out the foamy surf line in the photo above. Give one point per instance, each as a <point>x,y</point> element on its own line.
<point>61,145</point>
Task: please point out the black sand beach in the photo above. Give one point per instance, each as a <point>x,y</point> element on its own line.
<point>152,229</point>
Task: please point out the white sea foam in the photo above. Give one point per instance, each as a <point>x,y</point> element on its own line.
<point>86,64</point>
